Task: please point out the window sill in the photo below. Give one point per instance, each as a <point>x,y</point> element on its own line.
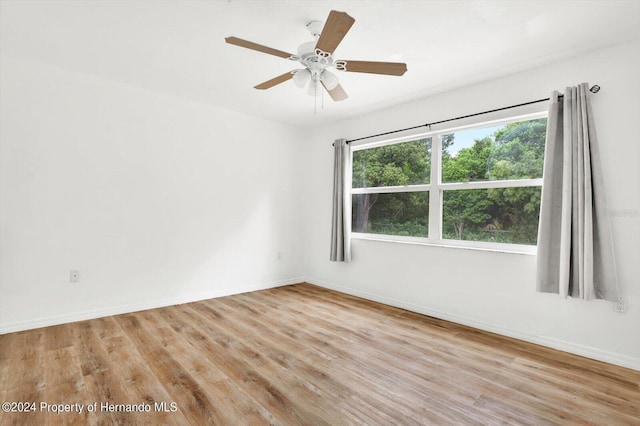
<point>452,244</point>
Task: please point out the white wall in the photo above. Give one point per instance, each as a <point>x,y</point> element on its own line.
<point>154,199</point>
<point>496,291</point>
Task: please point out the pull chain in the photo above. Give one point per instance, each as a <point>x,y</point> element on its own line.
<point>315,99</point>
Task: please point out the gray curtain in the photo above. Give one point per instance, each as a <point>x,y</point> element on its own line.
<point>575,249</point>
<point>341,217</point>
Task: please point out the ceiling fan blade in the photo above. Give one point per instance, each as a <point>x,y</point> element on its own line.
<point>255,46</point>
<point>337,93</point>
<point>274,81</point>
<point>387,68</point>
<point>336,27</point>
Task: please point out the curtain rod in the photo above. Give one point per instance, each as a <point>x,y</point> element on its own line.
<point>594,89</point>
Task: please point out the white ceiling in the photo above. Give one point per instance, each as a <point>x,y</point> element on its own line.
<point>177,46</point>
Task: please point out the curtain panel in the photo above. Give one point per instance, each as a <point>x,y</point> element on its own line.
<point>575,247</point>
<point>341,213</point>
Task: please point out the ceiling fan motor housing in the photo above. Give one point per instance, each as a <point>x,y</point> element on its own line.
<point>315,61</point>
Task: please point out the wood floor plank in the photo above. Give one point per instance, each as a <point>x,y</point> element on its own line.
<point>140,384</point>
<point>192,401</point>
<point>7,343</point>
<point>584,388</point>
<point>27,358</point>
<point>106,327</point>
<point>385,380</point>
<point>101,384</point>
<point>322,376</point>
<point>309,388</point>
<point>59,336</point>
<point>240,363</point>
<point>6,346</point>
<point>64,385</point>
<point>361,350</point>
<point>239,406</point>
<point>302,354</point>
<point>287,353</point>
<point>188,355</point>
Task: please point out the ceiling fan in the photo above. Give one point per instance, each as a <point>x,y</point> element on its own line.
<point>316,56</point>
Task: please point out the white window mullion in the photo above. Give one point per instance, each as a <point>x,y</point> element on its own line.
<point>435,200</point>
<point>515,183</point>
<point>390,189</point>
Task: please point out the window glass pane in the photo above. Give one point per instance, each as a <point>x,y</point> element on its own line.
<point>407,163</point>
<point>500,215</point>
<point>512,151</point>
<point>405,213</point>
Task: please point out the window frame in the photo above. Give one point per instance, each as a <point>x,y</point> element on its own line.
<point>436,189</point>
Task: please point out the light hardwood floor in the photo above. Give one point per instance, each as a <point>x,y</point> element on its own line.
<point>303,355</point>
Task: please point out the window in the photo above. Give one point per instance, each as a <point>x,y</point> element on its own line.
<point>476,186</point>
<point>392,195</point>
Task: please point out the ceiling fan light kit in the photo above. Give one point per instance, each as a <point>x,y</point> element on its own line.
<point>317,55</point>
<point>301,77</point>
<point>329,79</point>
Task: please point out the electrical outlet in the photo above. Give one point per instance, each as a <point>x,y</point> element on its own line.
<point>621,305</point>
<point>74,276</point>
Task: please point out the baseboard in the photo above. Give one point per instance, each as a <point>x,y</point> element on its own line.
<point>143,306</point>
<point>586,351</point>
